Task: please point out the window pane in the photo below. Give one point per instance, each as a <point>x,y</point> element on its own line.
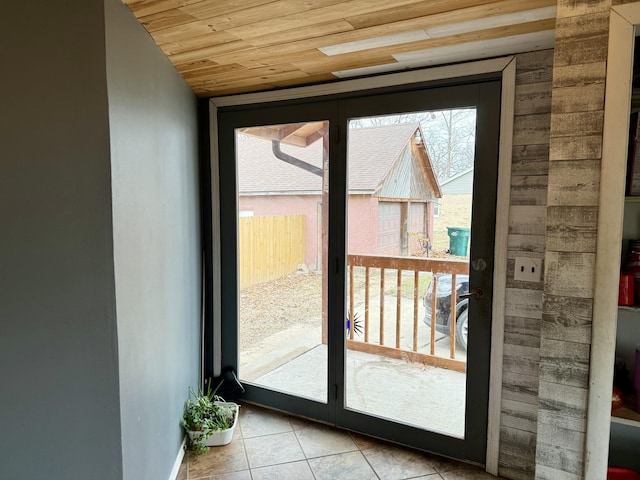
<point>282,247</point>
<point>399,366</point>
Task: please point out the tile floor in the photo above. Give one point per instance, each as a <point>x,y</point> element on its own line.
<point>269,445</point>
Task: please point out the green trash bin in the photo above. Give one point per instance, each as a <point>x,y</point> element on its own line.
<point>458,240</point>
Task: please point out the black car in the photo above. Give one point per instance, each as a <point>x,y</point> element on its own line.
<point>443,306</point>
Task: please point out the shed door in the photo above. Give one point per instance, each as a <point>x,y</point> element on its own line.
<point>389,228</point>
<point>418,233</point>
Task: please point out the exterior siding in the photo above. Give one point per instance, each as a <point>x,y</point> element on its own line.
<point>458,186</point>
<point>406,179</point>
<point>455,211</point>
<point>363,222</point>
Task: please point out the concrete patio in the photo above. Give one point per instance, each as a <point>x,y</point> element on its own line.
<point>294,361</point>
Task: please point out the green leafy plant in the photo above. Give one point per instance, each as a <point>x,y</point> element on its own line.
<point>206,413</point>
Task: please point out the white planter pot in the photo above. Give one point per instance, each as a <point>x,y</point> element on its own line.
<point>221,437</point>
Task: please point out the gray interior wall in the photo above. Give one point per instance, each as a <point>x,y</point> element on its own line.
<point>156,234</point>
<point>59,409</point>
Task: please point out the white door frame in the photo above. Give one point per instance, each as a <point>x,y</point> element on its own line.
<point>622,24</point>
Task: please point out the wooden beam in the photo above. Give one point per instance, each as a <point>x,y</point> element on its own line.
<point>432,360</point>
<point>410,263</point>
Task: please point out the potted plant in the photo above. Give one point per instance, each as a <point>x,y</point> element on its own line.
<point>208,419</point>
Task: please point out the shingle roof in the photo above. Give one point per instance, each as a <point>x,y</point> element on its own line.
<point>372,153</point>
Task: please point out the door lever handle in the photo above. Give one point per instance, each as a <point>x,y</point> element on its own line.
<point>475,293</point>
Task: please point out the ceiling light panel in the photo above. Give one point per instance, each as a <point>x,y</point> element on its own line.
<point>492,22</point>
<point>486,23</point>
<point>368,44</point>
<point>483,48</point>
<point>458,53</point>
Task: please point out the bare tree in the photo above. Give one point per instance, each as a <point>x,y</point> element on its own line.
<point>450,139</point>
<point>387,120</point>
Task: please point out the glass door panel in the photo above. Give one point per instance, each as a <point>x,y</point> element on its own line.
<point>328,293</point>
<point>400,365</point>
<point>282,201</point>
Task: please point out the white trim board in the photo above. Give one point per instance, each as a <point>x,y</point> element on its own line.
<point>176,465</point>
<point>506,66</point>
<point>611,208</point>
<point>500,265</point>
<point>360,84</point>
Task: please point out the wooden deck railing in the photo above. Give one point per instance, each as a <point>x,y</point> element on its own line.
<point>381,345</point>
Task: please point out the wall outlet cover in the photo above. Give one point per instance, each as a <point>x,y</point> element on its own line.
<point>528,269</point>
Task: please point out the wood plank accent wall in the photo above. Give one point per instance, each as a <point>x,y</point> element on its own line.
<point>577,108</point>
<point>527,219</point>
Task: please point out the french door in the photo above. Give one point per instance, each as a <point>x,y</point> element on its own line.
<point>357,236</point>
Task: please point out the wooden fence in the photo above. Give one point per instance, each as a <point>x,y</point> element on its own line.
<point>270,247</point>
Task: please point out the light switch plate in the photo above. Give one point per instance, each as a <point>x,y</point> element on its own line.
<point>528,269</point>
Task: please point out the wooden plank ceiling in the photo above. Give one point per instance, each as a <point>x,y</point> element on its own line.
<point>223,47</point>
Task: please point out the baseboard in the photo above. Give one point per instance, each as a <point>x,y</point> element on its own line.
<point>176,466</point>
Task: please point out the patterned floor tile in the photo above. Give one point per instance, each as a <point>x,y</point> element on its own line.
<point>364,442</point>
<point>344,466</point>
<point>269,445</point>
<point>225,459</point>
<point>294,470</point>
<point>396,463</point>
<point>257,422</point>
<point>273,449</point>
<point>243,475</point>
<point>319,440</point>
<point>467,473</point>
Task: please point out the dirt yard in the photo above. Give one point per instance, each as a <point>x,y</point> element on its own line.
<point>271,307</point>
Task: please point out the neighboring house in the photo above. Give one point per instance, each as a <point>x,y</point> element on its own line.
<point>460,184</point>
<point>454,208</point>
<point>392,188</point>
